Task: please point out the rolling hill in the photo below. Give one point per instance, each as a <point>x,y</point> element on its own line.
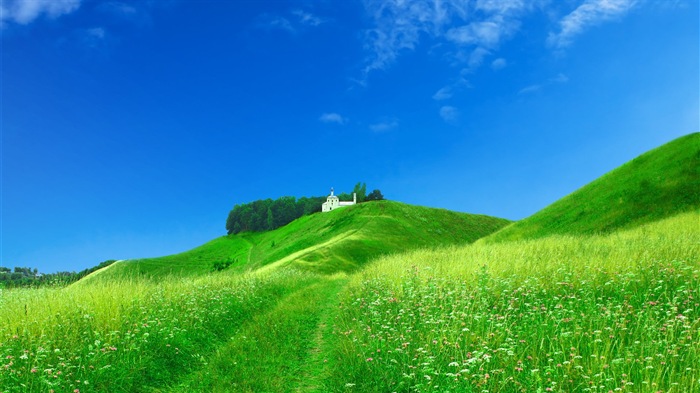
<point>601,299</point>
<point>342,240</point>
<point>660,183</point>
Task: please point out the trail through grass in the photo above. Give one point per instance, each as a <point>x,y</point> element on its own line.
<point>126,336</point>
<point>278,351</point>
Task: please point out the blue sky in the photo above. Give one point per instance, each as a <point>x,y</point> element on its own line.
<point>131,128</point>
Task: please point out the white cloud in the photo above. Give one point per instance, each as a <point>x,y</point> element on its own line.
<point>530,89</point>
<point>308,19</point>
<point>398,25</point>
<point>486,33</point>
<point>332,118</point>
<point>590,13</point>
<point>92,38</point>
<point>499,64</point>
<point>138,13</point>
<point>471,31</point>
<point>449,113</point>
<point>298,21</point>
<point>475,28</point>
<point>443,94</point>
<point>560,78</point>
<point>448,91</point>
<point>275,22</point>
<point>26,11</point>
<point>477,57</point>
<point>385,125</point>
<point>118,7</point>
<point>96,32</point>
<point>501,6</point>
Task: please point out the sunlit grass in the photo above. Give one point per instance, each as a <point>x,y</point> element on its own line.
<point>125,336</point>
<point>658,184</point>
<point>619,312</point>
<point>613,313</point>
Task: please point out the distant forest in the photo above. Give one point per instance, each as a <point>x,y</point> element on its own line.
<point>268,214</point>
<point>28,277</point>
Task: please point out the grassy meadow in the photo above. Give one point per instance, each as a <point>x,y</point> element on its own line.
<point>126,336</point>
<point>388,297</point>
<point>616,312</point>
<point>619,312</point>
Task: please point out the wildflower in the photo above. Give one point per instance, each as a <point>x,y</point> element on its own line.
<point>369,359</point>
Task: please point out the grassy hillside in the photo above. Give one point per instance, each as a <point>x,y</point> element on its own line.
<point>342,240</point>
<point>584,313</point>
<point>615,312</point>
<point>658,184</point>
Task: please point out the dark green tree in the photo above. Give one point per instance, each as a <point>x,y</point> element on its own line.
<point>375,195</point>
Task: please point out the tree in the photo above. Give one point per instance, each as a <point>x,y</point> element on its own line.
<point>361,191</point>
<point>375,195</point>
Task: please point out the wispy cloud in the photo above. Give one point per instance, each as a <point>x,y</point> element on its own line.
<point>384,125</point>
<point>275,22</point>
<point>449,114</point>
<point>471,31</point>
<point>296,21</point>
<point>559,78</point>
<point>499,64</point>
<point>333,118</point>
<point>474,27</point>
<point>308,19</point>
<point>590,13</point>
<point>93,37</point>
<point>26,11</point>
<point>443,94</point>
<point>117,7</point>
<point>530,89</point>
<point>398,25</point>
<point>448,91</point>
<point>483,33</point>
<point>137,13</point>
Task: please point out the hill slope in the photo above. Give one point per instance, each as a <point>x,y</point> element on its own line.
<point>342,240</point>
<point>658,184</point>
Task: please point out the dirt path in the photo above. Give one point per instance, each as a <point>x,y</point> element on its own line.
<point>317,356</point>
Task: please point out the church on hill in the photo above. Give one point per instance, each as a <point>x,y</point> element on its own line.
<point>333,202</point>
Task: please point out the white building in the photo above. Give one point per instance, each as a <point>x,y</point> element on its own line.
<point>333,202</point>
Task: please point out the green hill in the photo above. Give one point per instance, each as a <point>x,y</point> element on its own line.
<point>342,240</point>
<point>658,184</point>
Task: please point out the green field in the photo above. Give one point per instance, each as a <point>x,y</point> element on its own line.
<point>599,292</point>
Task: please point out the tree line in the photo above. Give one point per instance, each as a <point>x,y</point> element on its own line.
<point>30,277</point>
<point>269,214</point>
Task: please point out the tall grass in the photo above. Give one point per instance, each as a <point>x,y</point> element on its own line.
<point>125,336</point>
<point>570,314</point>
<point>280,350</point>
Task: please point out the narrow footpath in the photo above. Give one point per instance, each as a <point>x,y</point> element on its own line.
<point>278,351</point>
